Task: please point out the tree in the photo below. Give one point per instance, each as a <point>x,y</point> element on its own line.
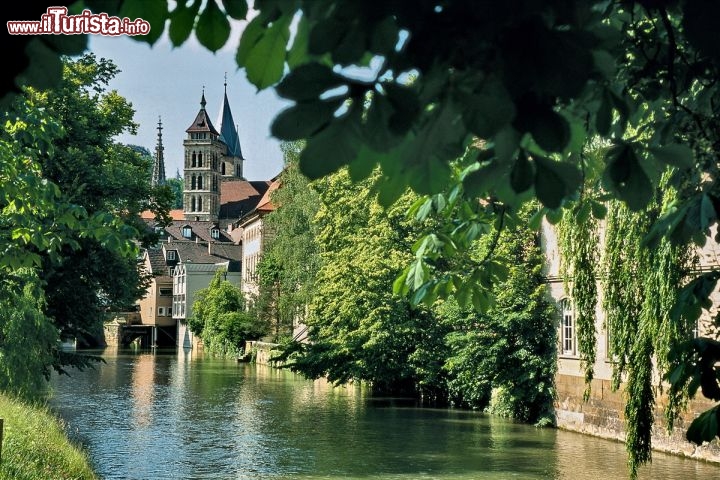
<point>40,223</point>
<point>105,178</point>
<point>177,186</point>
<point>291,259</point>
<point>510,348</point>
<point>28,339</point>
<point>358,330</point>
<point>220,320</point>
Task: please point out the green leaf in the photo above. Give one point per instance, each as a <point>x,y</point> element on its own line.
<point>304,119</point>
<point>536,220</point>
<point>599,211</point>
<point>376,129</point>
<point>266,59</point>
<point>485,179</point>
<point>555,181</point>
<point>385,36</point>
<point>324,36</point>
<point>406,107</point>
<point>707,213</point>
<point>522,174</point>
<point>674,154</point>
<point>298,53</point>
<point>400,286</point>
<point>153,11</point>
<point>604,63</point>
<point>705,427</point>
<point>550,131</point>
<point>390,190</point>
<point>626,177</point>
<point>250,37</point>
<point>236,9</point>
<point>45,68</point>
<point>308,82</point>
<point>603,117</point>
<point>351,48</point>
<point>182,22</point>
<point>489,109</point>
<point>463,295</point>
<point>332,147</point>
<point>213,27</point>
<point>507,141</point>
<point>417,274</point>
<point>363,165</point>
<point>554,216</point>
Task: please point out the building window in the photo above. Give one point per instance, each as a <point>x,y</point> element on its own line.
<point>170,254</point>
<point>199,182</point>
<point>161,311</point>
<point>194,160</point>
<point>166,292</point>
<point>567,327</point>
<point>199,204</point>
<point>187,231</point>
<point>215,233</point>
<point>200,160</point>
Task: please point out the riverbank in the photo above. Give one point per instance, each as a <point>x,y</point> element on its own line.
<point>35,446</point>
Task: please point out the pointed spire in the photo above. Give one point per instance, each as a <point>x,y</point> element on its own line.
<point>228,128</point>
<point>202,122</point>
<point>158,173</point>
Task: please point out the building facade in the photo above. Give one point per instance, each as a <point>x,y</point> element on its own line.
<point>603,413</point>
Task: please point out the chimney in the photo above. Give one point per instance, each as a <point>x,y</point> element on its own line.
<point>209,248</point>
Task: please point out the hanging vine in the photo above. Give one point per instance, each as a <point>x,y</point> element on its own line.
<point>640,287</point>
<point>578,240</point>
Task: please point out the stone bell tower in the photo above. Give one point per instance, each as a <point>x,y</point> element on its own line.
<point>203,158</point>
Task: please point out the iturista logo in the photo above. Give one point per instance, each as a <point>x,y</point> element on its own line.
<point>57,22</point>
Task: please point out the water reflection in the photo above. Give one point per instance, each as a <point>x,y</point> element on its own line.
<point>166,415</point>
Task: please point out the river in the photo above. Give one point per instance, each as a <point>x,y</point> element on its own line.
<point>166,415</point>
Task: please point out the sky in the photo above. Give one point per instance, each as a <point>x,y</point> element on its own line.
<point>168,82</point>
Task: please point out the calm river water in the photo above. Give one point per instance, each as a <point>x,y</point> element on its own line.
<point>146,415</point>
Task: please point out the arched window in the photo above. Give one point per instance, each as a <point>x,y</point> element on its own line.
<point>199,204</point>
<point>194,160</point>
<point>187,231</point>
<point>222,168</point>
<point>192,203</point>
<point>567,328</point>
<point>199,182</point>
<point>192,183</point>
<point>200,160</point>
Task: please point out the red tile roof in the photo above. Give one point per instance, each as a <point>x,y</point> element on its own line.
<point>239,197</point>
<point>265,204</point>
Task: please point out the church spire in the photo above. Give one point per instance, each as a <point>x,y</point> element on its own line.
<point>158,173</point>
<point>202,123</point>
<point>228,128</point>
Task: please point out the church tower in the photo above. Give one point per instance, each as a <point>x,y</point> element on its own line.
<point>232,166</point>
<point>203,158</point>
<point>158,172</point>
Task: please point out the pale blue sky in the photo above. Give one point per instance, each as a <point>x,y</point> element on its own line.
<point>166,81</point>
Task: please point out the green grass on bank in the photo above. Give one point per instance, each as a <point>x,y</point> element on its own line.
<point>35,446</point>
